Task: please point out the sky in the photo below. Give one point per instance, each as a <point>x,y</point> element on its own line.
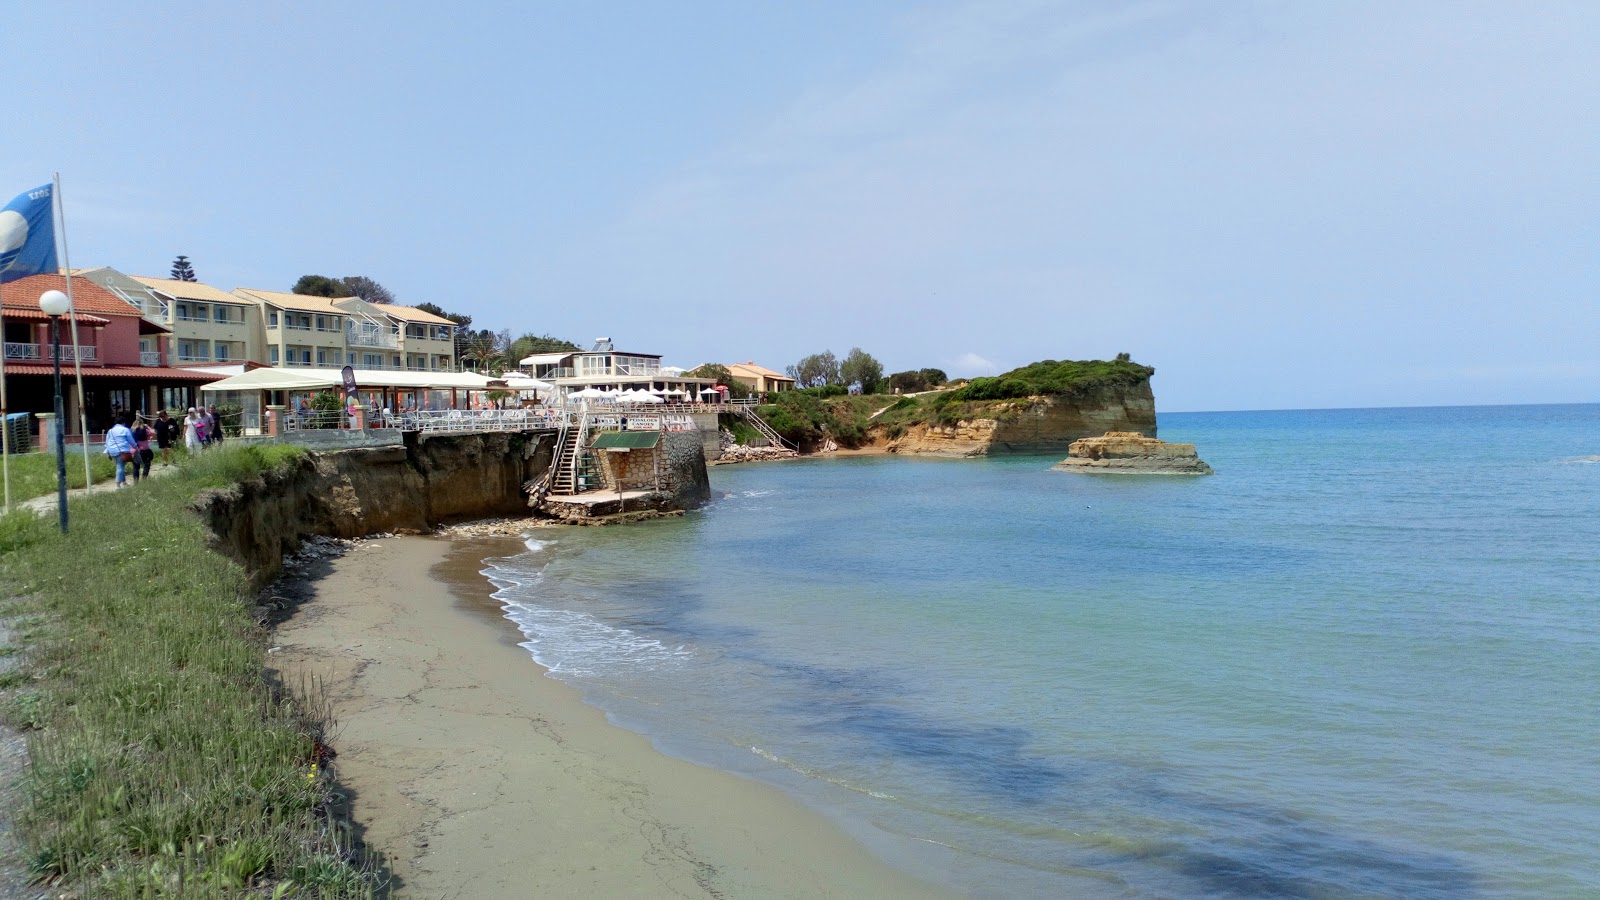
<point>1275,204</point>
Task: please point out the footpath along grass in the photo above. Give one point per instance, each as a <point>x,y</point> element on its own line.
<point>162,763</point>
<point>34,474</point>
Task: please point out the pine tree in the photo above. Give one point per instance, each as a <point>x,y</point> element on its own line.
<point>181,270</point>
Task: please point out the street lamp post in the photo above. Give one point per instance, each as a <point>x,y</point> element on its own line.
<point>55,305</point>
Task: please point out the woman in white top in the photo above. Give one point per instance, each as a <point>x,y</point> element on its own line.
<point>192,423</point>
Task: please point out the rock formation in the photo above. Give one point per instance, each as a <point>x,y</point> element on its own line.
<point>1133,453</point>
<point>1035,424</point>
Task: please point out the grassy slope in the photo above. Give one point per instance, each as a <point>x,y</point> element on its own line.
<point>161,759</point>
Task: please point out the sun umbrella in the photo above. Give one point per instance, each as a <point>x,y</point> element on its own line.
<point>589,394</point>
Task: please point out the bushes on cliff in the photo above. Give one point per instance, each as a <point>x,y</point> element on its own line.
<point>1053,378</point>
<point>809,417</point>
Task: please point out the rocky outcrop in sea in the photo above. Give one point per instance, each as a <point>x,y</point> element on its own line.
<point>1132,453</point>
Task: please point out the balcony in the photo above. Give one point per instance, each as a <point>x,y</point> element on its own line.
<point>371,338</point>
<point>42,352</point>
<point>191,357</point>
<point>149,357</point>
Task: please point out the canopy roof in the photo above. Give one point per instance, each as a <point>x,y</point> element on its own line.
<point>297,379</point>
<point>626,440</point>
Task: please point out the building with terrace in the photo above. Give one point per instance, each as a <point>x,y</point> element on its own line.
<point>121,351</point>
<point>605,368</point>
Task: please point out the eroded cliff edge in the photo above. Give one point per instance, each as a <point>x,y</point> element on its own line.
<point>351,493</point>
<point>1043,424</point>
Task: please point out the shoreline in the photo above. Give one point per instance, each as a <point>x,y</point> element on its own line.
<point>476,774</point>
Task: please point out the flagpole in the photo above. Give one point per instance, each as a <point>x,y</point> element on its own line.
<point>77,350</point>
<point>5,418</point>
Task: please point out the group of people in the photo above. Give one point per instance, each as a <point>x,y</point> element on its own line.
<point>128,441</point>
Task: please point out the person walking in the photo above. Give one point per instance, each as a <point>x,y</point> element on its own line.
<point>120,447</point>
<point>194,431</point>
<point>213,424</point>
<point>142,454</point>
<point>167,430</point>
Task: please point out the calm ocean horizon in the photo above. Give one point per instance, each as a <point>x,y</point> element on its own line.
<point>1362,660</point>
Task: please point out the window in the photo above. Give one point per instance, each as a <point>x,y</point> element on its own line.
<point>350,360</point>
<point>272,318</point>
<point>441,332</point>
<point>416,331</point>
<point>397,362</point>
<point>371,360</point>
<point>223,355</point>
<point>272,355</point>
<point>322,357</point>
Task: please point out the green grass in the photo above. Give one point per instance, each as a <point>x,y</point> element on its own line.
<point>162,761</point>
<point>34,474</point>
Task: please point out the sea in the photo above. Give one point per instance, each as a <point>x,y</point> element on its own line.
<point>1361,660</point>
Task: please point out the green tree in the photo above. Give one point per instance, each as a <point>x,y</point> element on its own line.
<point>908,382</point>
<point>531,343</point>
<point>182,270</point>
<point>320,286</point>
<point>860,369</point>
<point>367,289</point>
<point>327,406</point>
<point>934,377</point>
<point>736,389</point>
<point>816,370</point>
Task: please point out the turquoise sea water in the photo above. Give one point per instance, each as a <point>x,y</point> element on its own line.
<point>1363,660</point>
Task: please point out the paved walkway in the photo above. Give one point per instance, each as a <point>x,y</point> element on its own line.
<point>45,504</point>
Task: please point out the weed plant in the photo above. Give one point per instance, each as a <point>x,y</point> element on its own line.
<point>162,762</point>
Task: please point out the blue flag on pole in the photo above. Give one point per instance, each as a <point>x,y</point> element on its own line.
<point>28,236</point>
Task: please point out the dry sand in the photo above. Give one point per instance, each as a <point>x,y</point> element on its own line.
<point>478,776</point>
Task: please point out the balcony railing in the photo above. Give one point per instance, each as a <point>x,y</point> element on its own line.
<point>41,351</point>
<point>192,357</point>
<point>149,357</point>
<point>385,340</point>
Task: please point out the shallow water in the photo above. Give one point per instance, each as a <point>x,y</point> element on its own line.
<point>1361,660</point>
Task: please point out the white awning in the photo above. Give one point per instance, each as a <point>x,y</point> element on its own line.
<point>310,379</point>
<point>545,359</point>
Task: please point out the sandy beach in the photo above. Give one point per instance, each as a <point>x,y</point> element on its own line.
<point>478,776</point>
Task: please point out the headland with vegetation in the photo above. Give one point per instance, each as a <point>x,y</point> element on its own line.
<point>812,416</point>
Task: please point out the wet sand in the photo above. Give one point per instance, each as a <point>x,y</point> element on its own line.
<point>478,776</point>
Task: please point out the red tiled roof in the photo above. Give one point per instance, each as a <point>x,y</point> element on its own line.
<point>87,296</point>
<point>150,373</point>
<point>37,315</point>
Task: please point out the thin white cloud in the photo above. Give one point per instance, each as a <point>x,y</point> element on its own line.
<point>969,364</point>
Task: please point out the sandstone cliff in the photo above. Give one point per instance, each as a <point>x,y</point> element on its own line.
<point>1033,425</point>
<point>1132,453</point>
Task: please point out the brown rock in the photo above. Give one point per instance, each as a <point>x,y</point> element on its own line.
<point>1133,453</point>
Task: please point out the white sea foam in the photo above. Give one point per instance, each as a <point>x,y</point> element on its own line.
<point>535,545</point>
<point>571,643</point>
<point>1589,460</point>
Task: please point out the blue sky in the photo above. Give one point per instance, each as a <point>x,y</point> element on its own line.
<point>1276,204</point>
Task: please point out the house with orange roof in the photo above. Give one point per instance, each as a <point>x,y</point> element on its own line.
<point>759,379</point>
<point>118,373</point>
